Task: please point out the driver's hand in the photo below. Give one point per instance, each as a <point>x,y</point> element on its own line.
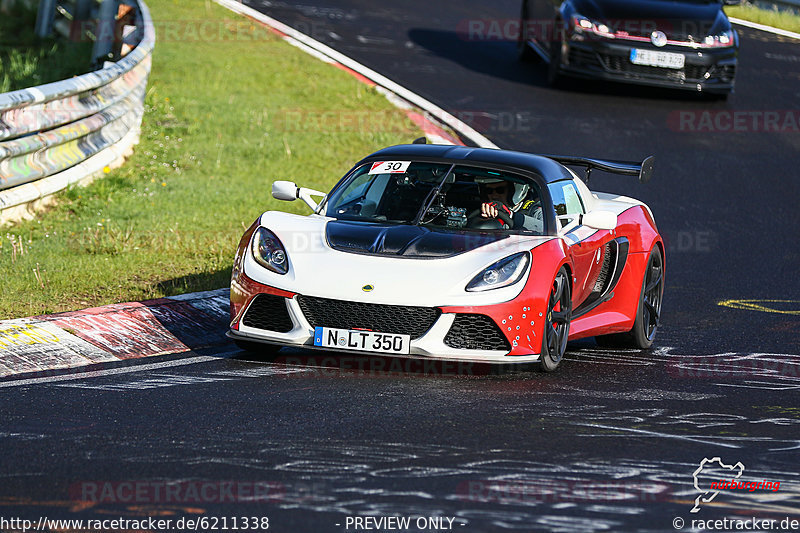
<point>492,209</point>
<point>489,210</point>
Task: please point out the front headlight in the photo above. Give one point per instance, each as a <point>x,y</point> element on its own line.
<point>583,24</point>
<point>723,39</point>
<point>269,252</point>
<point>503,273</point>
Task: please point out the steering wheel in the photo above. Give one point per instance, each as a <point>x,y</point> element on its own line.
<point>475,220</point>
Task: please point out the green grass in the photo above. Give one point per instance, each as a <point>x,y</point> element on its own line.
<point>221,123</point>
<point>784,20</point>
<point>27,61</point>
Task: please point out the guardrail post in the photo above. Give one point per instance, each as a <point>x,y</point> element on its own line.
<point>83,9</point>
<point>44,17</point>
<point>81,22</point>
<point>106,26</point>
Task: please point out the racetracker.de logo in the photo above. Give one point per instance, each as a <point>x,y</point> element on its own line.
<point>713,476</point>
<point>737,121</point>
<point>560,490</point>
<point>369,365</point>
<point>177,492</point>
<point>543,30</point>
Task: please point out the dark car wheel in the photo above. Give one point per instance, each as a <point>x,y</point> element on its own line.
<point>524,52</point>
<point>556,323</point>
<point>554,66</point>
<point>648,311</point>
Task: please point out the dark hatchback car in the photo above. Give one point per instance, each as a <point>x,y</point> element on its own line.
<point>683,44</point>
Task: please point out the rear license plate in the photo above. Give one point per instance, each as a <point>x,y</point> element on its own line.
<point>657,59</point>
<point>364,341</point>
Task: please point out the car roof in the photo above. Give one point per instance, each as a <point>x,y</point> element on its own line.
<point>548,169</point>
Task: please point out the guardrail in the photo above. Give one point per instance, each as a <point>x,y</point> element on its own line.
<point>60,133</point>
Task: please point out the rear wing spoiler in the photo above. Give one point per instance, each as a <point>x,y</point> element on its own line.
<point>643,170</point>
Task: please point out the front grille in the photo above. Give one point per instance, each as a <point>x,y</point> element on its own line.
<point>476,332</point>
<point>580,57</point>
<point>622,65</point>
<point>268,311</point>
<point>401,319</point>
<point>676,30</point>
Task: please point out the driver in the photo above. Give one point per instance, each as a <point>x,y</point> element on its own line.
<point>517,201</point>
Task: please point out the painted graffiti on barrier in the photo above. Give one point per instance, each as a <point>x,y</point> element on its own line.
<point>88,123</point>
<point>48,132</point>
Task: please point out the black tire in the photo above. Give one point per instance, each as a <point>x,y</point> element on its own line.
<point>556,323</point>
<point>648,310</point>
<point>524,52</point>
<point>554,77</point>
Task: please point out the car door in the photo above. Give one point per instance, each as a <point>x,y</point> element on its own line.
<point>586,246</point>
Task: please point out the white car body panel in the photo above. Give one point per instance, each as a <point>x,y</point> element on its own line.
<point>616,203</point>
<point>315,269</point>
<point>431,345</point>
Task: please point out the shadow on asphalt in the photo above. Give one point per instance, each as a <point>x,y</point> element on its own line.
<point>498,58</point>
<point>199,281</point>
<point>329,363</point>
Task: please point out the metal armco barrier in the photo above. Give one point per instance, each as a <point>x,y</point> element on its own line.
<point>62,132</point>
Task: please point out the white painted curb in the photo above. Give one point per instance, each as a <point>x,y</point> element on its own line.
<point>764,27</point>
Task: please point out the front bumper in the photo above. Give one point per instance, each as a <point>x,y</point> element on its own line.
<point>280,319</point>
<point>704,70</point>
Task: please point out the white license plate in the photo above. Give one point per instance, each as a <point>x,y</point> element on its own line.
<point>657,59</point>
<point>365,341</point>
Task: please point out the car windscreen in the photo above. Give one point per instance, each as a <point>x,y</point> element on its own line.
<point>438,195</point>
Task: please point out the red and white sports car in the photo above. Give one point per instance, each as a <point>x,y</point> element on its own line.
<point>454,253</point>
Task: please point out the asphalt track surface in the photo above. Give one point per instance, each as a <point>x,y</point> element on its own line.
<point>608,443</point>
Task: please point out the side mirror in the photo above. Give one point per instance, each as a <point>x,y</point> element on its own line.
<point>289,191</point>
<point>600,220</point>
<point>285,190</point>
